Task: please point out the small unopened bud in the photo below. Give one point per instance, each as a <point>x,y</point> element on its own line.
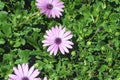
<point>38,14</point>
<point>117,33</point>
<point>100,28</point>
<point>73,53</point>
<point>88,43</point>
<point>111,44</point>
<point>103,48</point>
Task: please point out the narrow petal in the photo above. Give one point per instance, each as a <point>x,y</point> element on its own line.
<point>59,9</point>
<point>57,31</point>
<point>45,78</point>
<point>16,72</point>
<point>55,49</point>
<point>52,50</point>
<point>53,14</point>
<point>47,41</point>
<point>50,1</point>
<point>61,49</point>
<point>50,47</point>
<point>57,13</point>
<point>55,2</point>
<point>36,79</point>
<point>12,76</point>
<point>30,71</point>
<point>68,37</point>
<point>43,11</point>
<point>50,33</point>
<point>46,44</point>
<point>67,45</point>
<point>62,32</point>
<point>42,1</point>
<point>35,74</point>
<point>68,42</point>
<point>66,34</point>
<point>25,69</point>
<point>54,31</point>
<point>59,4</point>
<point>20,70</point>
<point>65,49</point>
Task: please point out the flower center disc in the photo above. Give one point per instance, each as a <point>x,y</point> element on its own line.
<point>58,40</point>
<point>49,6</point>
<point>25,78</point>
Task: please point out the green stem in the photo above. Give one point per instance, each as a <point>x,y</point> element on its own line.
<point>28,19</point>
<point>93,36</point>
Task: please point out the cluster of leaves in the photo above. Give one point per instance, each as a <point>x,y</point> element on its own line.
<point>95,26</point>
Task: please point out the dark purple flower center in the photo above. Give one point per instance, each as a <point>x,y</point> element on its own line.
<point>49,6</point>
<point>58,40</point>
<point>25,78</point>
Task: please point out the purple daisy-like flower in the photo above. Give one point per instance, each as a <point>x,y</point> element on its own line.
<point>22,72</point>
<point>51,8</point>
<point>58,39</point>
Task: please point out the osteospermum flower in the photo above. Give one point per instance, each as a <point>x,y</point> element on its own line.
<point>57,39</point>
<point>22,72</point>
<point>51,8</point>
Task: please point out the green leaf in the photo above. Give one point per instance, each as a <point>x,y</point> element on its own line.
<point>6,29</point>
<point>3,16</point>
<point>2,41</point>
<point>1,5</point>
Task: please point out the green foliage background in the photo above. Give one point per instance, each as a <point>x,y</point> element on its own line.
<point>95,25</point>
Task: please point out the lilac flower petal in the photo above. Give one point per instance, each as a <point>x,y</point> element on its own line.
<point>50,47</point>
<point>41,1</point>
<point>47,42</point>
<point>56,50</point>
<point>49,33</point>
<point>12,76</point>
<point>55,2</point>
<point>67,45</point>
<point>52,50</point>
<point>65,49</point>
<point>43,11</point>
<point>35,74</point>
<point>31,71</point>
<point>45,78</point>
<point>68,42</point>
<point>61,49</point>
<point>68,37</point>
<point>26,68</point>
<point>62,32</point>
<point>16,72</point>
<point>67,34</point>
<point>56,30</point>
<point>59,4</point>
<point>50,1</point>
<point>36,79</point>
<point>20,70</point>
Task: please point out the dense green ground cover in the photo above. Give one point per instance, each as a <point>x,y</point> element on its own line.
<point>95,25</point>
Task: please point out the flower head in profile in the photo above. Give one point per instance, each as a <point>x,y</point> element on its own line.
<point>22,72</point>
<point>58,39</point>
<point>51,8</point>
